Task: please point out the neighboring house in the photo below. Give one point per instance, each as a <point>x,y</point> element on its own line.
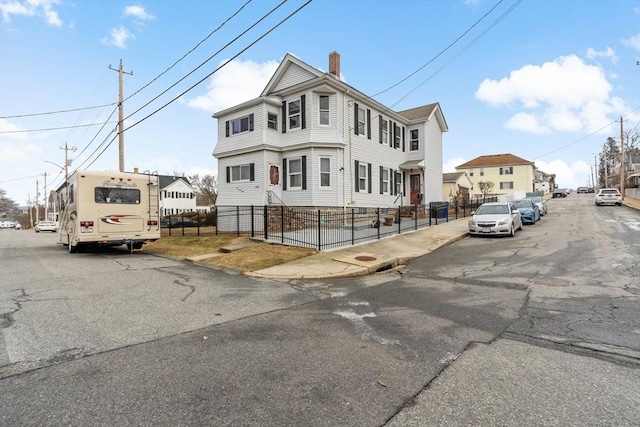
<point>507,172</point>
<point>456,186</point>
<point>542,181</point>
<point>177,196</point>
<point>310,139</point>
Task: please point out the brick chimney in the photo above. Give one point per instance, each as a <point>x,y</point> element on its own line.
<point>334,64</point>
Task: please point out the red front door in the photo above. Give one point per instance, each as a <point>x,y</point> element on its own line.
<point>414,182</point>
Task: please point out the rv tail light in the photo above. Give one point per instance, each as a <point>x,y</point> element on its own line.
<point>86,223</point>
<point>152,222</point>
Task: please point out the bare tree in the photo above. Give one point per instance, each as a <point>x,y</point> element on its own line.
<point>486,187</point>
<point>6,204</point>
<point>206,187</point>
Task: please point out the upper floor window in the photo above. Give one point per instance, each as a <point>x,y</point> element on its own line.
<point>481,171</point>
<point>384,131</point>
<point>272,121</point>
<point>506,170</point>
<point>239,125</point>
<point>470,172</point>
<point>362,121</point>
<point>414,140</point>
<point>397,133</point>
<point>324,109</point>
<point>294,114</point>
<point>325,172</point>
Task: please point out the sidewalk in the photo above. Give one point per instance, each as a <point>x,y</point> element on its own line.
<point>368,258</point>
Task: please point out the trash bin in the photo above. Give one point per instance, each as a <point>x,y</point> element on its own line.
<point>439,210</point>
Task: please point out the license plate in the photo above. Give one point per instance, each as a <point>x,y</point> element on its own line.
<point>86,230</point>
<point>486,230</point>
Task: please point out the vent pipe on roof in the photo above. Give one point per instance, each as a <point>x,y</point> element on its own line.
<point>334,64</point>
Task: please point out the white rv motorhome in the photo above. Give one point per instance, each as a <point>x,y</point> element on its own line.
<point>105,208</point>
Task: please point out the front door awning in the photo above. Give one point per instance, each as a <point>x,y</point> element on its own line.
<point>412,165</point>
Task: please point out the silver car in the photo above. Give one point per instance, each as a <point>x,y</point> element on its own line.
<point>495,218</point>
<point>608,196</point>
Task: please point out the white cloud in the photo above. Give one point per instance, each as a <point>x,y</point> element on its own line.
<point>450,165</point>
<point>575,174</point>
<point>12,152</point>
<point>633,42</point>
<point>565,95</point>
<point>138,12</point>
<point>42,8</point>
<point>118,37</point>
<point>608,53</point>
<point>237,82</point>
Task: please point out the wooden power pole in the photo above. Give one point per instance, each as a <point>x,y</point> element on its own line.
<point>622,171</point>
<point>120,114</point>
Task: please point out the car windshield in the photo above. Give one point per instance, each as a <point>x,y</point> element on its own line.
<point>521,203</point>
<point>492,210</point>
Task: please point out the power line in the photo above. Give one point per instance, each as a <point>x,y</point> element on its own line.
<point>220,67</point>
<point>57,112</point>
<point>441,52</point>
<point>209,59</point>
<point>58,128</point>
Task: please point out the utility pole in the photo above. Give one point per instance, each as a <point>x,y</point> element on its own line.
<point>622,171</point>
<point>120,114</point>
<point>46,199</point>
<point>37,202</point>
<point>595,168</point>
<point>67,161</point>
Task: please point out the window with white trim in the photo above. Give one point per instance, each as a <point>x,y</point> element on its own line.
<point>294,171</point>
<point>240,173</point>
<point>506,185</point>
<point>384,180</point>
<point>240,125</point>
<point>325,172</point>
<point>384,128</point>
<point>324,110</point>
<point>506,170</point>
<point>481,171</point>
<point>363,177</point>
<point>362,121</point>
<point>414,145</point>
<point>272,121</point>
<point>398,136</point>
<point>398,182</point>
<point>294,114</point>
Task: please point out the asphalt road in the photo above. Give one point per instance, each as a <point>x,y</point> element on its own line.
<point>539,329</point>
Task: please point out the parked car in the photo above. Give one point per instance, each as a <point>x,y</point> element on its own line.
<point>584,190</point>
<point>46,226</point>
<point>529,210</point>
<point>559,192</point>
<point>17,226</point>
<point>495,218</point>
<point>181,222</point>
<point>608,196</point>
<point>541,202</point>
<point>591,190</point>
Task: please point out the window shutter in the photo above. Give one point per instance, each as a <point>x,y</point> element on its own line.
<point>355,118</point>
<point>284,117</point>
<point>380,129</point>
<point>381,192</point>
<point>392,177</point>
<point>368,123</point>
<point>252,171</point>
<point>303,115</point>
<point>357,174</point>
<point>304,172</point>
<point>228,174</point>
<point>227,128</point>
<point>369,176</point>
<point>250,122</point>
<point>284,174</point>
<point>403,138</point>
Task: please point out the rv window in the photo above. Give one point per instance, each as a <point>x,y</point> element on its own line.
<point>117,195</point>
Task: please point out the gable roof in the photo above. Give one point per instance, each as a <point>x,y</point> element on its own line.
<point>452,176</point>
<point>306,71</point>
<point>495,160</point>
<point>426,112</point>
<point>167,180</point>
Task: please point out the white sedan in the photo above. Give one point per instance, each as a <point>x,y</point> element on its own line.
<point>46,226</point>
<point>495,218</point>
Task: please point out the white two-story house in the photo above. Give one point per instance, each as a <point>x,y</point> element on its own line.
<point>177,196</point>
<point>310,139</point>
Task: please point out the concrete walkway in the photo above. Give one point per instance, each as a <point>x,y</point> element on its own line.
<point>368,258</point>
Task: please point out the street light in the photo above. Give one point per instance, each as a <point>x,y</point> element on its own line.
<point>45,190</point>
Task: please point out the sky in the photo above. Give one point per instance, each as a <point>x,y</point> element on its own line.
<point>545,80</point>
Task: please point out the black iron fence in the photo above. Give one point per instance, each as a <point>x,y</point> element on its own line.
<point>333,227</point>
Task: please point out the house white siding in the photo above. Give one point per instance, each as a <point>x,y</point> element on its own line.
<point>350,143</point>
